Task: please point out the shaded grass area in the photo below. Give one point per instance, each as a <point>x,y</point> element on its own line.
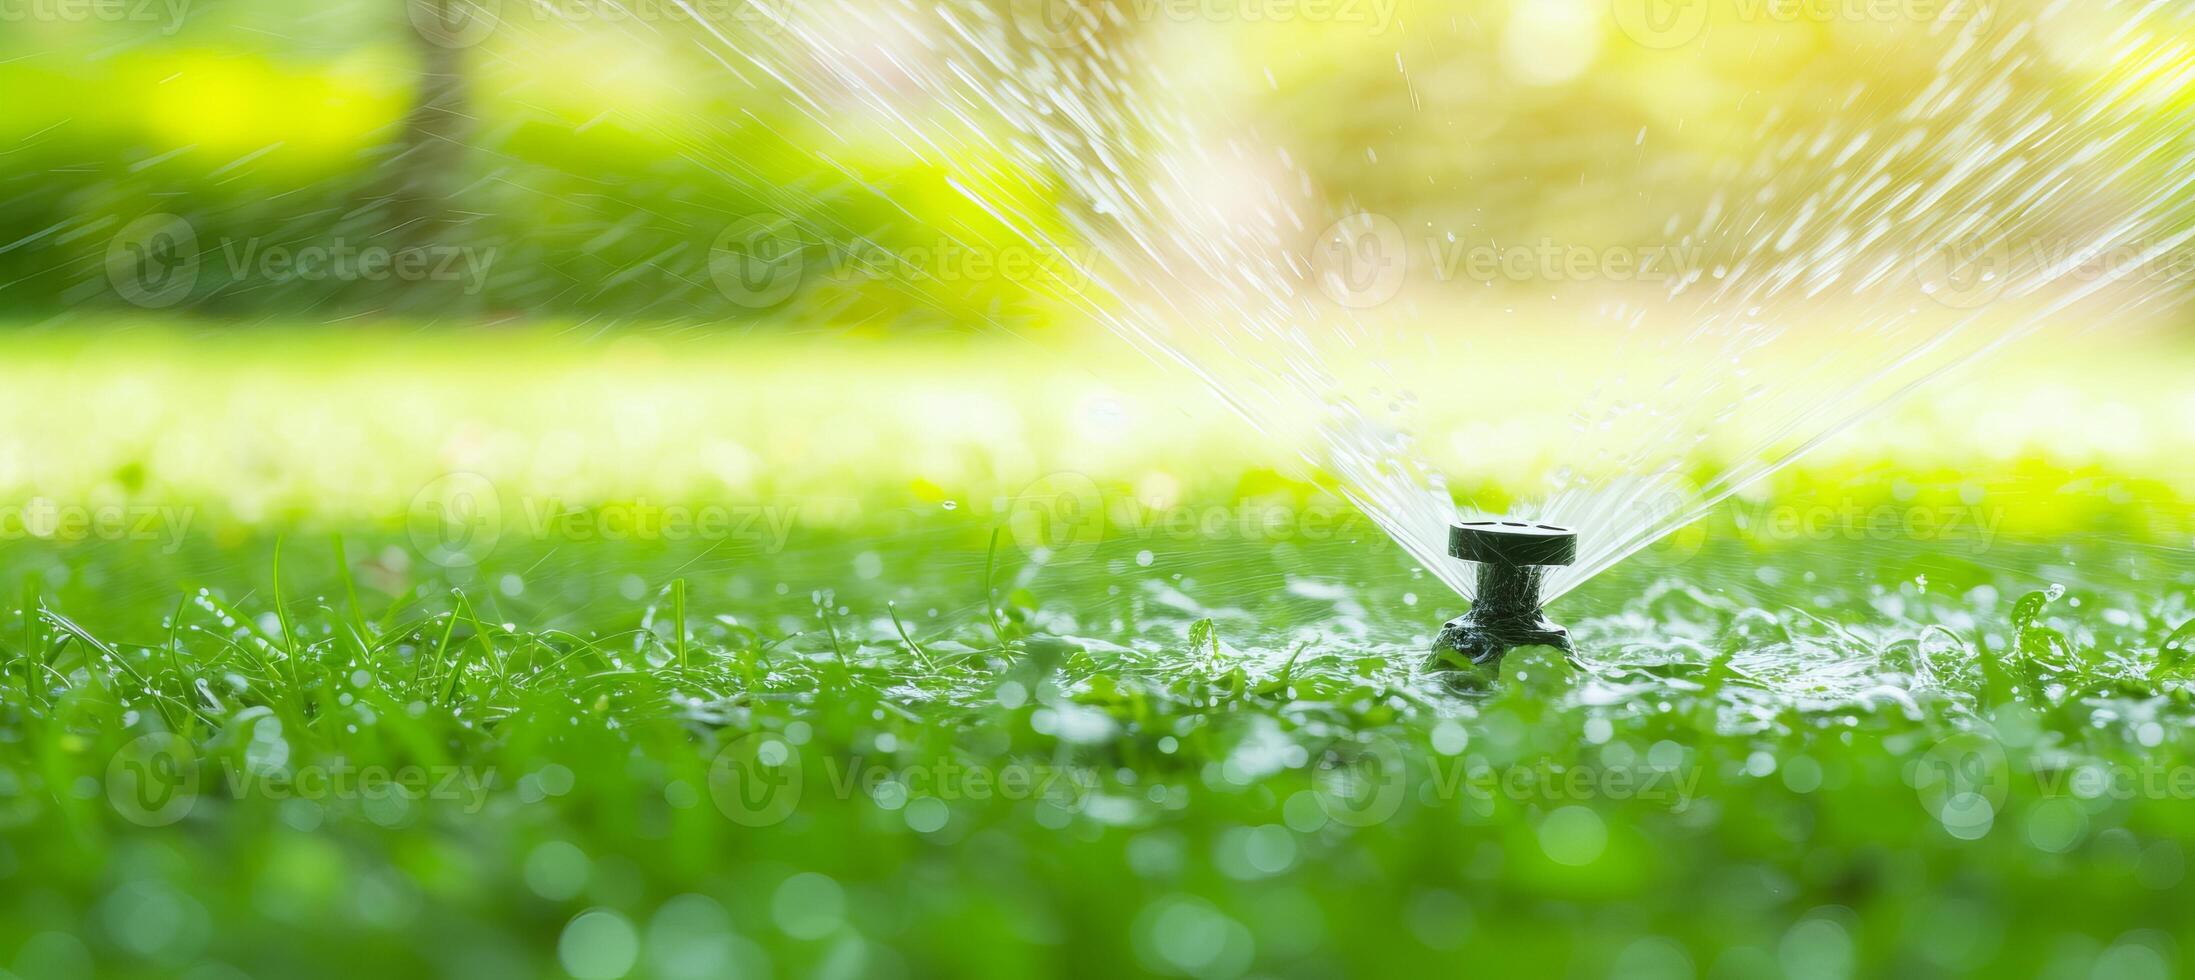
<point>916,748</point>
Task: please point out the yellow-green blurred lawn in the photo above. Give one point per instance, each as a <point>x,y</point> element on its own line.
<point>259,426</point>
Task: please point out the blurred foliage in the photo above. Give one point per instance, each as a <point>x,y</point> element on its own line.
<point>1509,122</point>
<point>593,161</point>
<point>602,167</point>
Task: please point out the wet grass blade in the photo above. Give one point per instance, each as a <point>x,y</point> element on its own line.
<point>2173,654</point>
<point>920,654</point>
<point>678,620</point>
<point>357,619</point>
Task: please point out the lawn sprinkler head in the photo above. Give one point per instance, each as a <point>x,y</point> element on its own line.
<point>1513,559</point>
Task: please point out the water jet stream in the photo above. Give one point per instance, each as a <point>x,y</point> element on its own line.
<point>1915,208</point>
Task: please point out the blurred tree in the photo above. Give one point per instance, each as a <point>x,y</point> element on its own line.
<point>421,173</point>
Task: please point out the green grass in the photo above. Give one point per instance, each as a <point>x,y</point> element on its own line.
<point>866,727</point>
<point>1224,762</point>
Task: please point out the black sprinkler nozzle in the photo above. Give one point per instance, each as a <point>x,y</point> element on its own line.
<point>1513,559</point>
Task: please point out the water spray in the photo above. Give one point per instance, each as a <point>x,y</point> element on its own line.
<point>1513,558</point>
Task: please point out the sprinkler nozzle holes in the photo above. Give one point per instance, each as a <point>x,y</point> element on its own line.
<point>1513,543</point>
<point>1513,558</point>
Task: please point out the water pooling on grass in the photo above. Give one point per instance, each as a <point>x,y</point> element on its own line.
<point>1946,216</point>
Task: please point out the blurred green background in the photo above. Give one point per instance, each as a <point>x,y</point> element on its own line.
<point>585,158</point>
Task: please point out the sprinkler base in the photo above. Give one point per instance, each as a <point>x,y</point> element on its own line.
<point>1466,643</point>
<point>1512,559</point>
